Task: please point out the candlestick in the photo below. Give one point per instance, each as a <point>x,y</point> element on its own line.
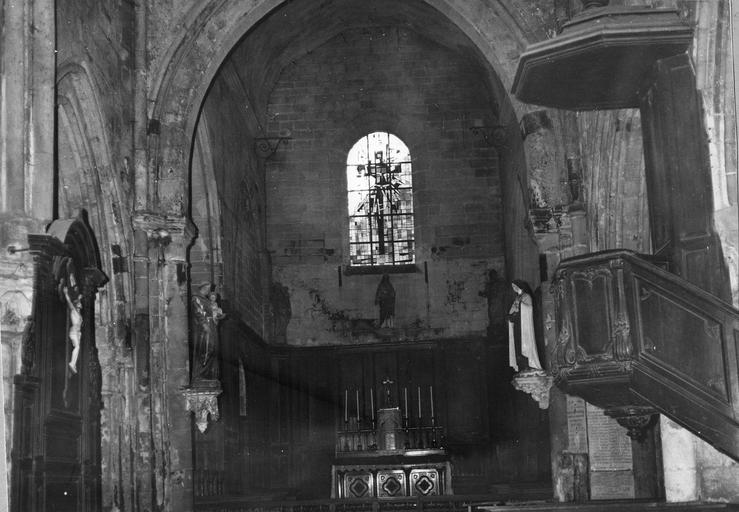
<point>346,405</point>
<point>357,404</point>
<point>419,402</point>
<point>372,404</point>
<point>405,394</point>
<point>431,397</point>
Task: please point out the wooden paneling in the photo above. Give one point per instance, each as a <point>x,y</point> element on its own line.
<point>492,431</point>
<point>672,347</point>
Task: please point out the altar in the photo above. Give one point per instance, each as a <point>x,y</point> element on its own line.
<point>391,475</point>
<point>390,458</point>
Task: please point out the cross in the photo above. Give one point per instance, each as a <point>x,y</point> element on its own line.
<point>386,382</point>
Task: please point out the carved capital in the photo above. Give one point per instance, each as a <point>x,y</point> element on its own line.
<point>635,419</point>
<point>203,401</point>
<point>172,234</point>
<point>536,383</point>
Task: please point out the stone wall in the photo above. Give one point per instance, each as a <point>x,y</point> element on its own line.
<point>182,45</point>
<point>99,36</point>
<point>231,212</point>
<point>384,79</point>
<point>614,184</point>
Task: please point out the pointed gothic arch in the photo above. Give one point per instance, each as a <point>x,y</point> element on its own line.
<point>89,179</point>
<point>210,33</point>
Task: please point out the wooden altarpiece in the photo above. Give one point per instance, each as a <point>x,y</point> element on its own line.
<point>56,431</point>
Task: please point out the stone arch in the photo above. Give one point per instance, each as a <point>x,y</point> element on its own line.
<point>209,33</point>
<point>94,183</point>
<point>85,159</point>
<point>206,257</point>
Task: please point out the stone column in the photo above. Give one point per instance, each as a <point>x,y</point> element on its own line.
<point>27,67</point>
<point>168,241</point>
<point>27,108</point>
<point>694,470</point>
<point>679,465</point>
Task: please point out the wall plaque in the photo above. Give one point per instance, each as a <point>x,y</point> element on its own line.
<point>610,447</point>
<point>611,464</point>
<point>577,425</point>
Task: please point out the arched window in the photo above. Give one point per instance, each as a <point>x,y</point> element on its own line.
<point>380,199</point>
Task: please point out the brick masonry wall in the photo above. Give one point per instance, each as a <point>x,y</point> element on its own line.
<point>240,190</point>
<point>383,78</point>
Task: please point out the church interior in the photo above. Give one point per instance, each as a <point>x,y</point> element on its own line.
<point>368,255</point>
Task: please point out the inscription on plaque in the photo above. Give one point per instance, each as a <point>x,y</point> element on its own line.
<point>577,425</point>
<point>610,447</point>
<point>611,464</point>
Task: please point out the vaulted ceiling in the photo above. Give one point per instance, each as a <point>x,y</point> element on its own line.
<point>296,28</point>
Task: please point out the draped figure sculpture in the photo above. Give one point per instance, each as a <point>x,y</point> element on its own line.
<point>385,298</point>
<point>207,314</point>
<point>522,353</point>
<point>496,293</point>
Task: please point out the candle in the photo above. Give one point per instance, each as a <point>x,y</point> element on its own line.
<point>346,405</point>
<point>357,404</point>
<point>419,402</point>
<point>372,403</point>
<point>405,394</point>
<point>431,397</point>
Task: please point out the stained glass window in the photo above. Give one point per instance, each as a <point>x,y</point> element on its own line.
<point>380,200</point>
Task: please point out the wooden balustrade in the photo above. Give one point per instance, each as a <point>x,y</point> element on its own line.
<point>468,503</point>
<point>635,340</point>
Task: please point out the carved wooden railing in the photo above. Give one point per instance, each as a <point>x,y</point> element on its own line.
<point>416,504</point>
<point>637,340</point>
<point>454,504</point>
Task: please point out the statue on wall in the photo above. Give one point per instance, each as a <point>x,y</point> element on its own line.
<point>75,326</point>
<point>207,314</point>
<point>385,298</point>
<point>64,272</point>
<point>281,311</point>
<point>496,293</point>
<point>522,353</point>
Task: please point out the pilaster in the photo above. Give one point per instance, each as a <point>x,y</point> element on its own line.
<point>27,108</point>
<point>164,261</point>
